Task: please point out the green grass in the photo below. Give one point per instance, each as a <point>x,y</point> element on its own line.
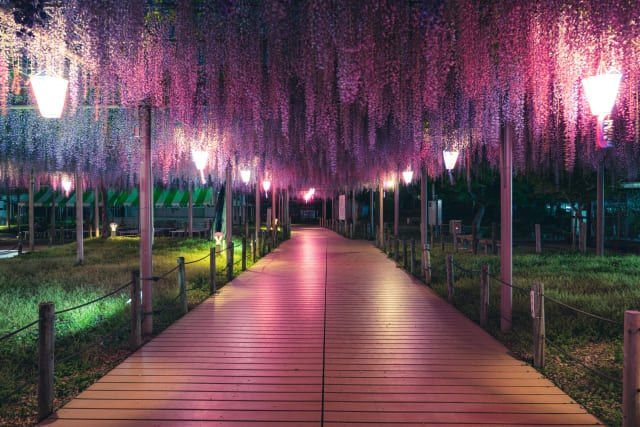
<point>93,339</point>
<point>605,286</point>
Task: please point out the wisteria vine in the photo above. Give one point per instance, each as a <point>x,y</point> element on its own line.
<point>316,92</point>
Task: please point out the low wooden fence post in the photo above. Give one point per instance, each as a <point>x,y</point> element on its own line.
<point>412,260</point>
<point>538,239</point>
<point>244,253</point>
<point>474,239</point>
<point>404,253</point>
<point>230,262</point>
<point>396,249</point>
<point>631,370</point>
<point>537,312</point>
<point>583,238</point>
<point>442,237</point>
<point>454,233</point>
<point>484,294</point>
<point>262,243</point>
<point>212,270</point>
<point>46,345</point>
<point>135,340</point>
<point>182,285</point>
<point>427,266</point>
<point>450,277</point>
<point>254,246</point>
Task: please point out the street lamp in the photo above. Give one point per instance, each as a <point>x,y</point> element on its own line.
<point>450,159</point>
<point>200,159</point>
<point>66,185</point>
<point>407,176</point>
<point>266,185</point>
<point>50,93</point>
<point>601,91</point>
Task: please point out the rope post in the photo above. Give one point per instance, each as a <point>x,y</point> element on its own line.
<point>454,233</point>
<point>427,267</point>
<point>396,249</point>
<point>494,233</point>
<point>442,237</point>
<point>244,253</point>
<point>484,294</point>
<point>262,242</point>
<point>254,244</point>
<point>135,340</point>
<point>404,253</point>
<point>631,370</point>
<point>583,237</point>
<point>412,259</point>
<point>537,312</point>
<point>46,345</point>
<point>230,262</point>
<point>474,239</point>
<point>182,285</point>
<point>212,270</point>
<point>377,238</point>
<point>19,243</point>
<point>450,278</point>
<point>538,239</point>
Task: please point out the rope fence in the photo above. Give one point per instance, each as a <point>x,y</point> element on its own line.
<point>46,321</point>
<point>530,327</point>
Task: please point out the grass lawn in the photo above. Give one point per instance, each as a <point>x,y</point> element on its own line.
<point>93,339</point>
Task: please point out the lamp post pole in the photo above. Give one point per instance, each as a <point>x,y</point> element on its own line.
<point>600,210</point>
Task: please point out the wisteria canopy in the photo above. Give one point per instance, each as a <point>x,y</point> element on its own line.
<point>323,92</point>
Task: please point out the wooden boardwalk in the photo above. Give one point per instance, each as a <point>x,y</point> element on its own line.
<point>323,331</point>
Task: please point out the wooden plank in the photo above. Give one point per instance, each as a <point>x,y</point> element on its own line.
<point>252,355</point>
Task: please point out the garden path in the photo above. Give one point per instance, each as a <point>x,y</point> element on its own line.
<point>323,331</point>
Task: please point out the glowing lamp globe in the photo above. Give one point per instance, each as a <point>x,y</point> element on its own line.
<point>245,174</point>
<point>200,159</point>
<point>407,176</point>
<point>450,159</point>
<point>389,183</point>
<point>601,92</point>
<point>266,185</point>
<point>50,93</point>
<point>66,185</point>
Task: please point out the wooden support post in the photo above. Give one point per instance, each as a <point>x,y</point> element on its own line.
<point>494,246</point>
<point>135,339</point>
<point>46,346</point>
<point>31,213</point>
<point>145,213</point>
<point>537,307</point>
<point>506,222</point>
<point>244,253</point>
<point>449,277</point>
<point>538,239</point>
<point>262,243</point>
<point>484,294</point>
<point>212,270</point>
<point>79,220</point>
<point>583,238</point>
<point>631,370</point>
<point>182,285</point>
<point>442,237</point>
